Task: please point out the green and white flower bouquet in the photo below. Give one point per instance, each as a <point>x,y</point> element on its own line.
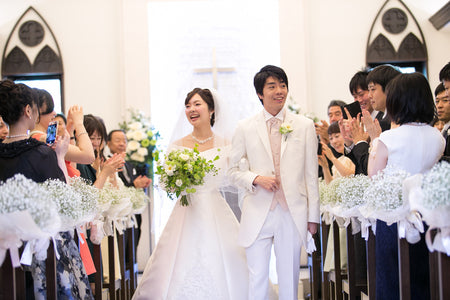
<point>142,141</point>
<point>182,170</point>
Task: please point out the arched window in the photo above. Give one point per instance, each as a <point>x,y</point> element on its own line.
<point>396,38</point>
<point>32,56</point>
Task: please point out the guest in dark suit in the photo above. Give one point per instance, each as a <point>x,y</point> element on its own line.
<point>358,147</point>
<point>360,92</point>
<point>443,107</point>
<point>117,143</point>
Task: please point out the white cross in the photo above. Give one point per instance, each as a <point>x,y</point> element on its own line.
<point>214,69</point>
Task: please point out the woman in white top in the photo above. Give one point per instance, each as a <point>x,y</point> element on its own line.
<point>414,146</point>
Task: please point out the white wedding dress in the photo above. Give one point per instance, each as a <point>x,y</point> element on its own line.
<point>197,256</point>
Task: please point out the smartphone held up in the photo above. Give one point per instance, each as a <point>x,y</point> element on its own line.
<point>52,129</point>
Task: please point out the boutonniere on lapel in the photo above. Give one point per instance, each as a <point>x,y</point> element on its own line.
<point>285,129</point>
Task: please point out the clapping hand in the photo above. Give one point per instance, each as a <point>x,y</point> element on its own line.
<point>327,152</point>
<point>322,131</point>
<point>372,126</point>
<point>74,117</point>
<point>357,129</point>
<point>114,163</point>
<point>323,162</point>
<point>142,182</point>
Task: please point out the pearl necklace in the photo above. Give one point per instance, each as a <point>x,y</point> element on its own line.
<point>202,141</point>
<point>16,135</point>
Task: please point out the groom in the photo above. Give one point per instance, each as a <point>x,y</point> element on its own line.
<point>279,174</point>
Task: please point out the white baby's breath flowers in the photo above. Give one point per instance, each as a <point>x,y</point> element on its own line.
<point>138,198</point>
<point>435,186</point>
<point>20,193</point>
<point>332,196</point>
<point>77,204</point>
<point>351,190</point>
<point>385,190</point>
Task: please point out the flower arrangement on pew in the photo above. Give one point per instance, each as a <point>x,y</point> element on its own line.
<point>429,194</point>
<point>351,191</point>
<point>36,212</point>
<point>76,202</point>
<point>118,208</point>
<point>28,213</point>
<point>142,142</point>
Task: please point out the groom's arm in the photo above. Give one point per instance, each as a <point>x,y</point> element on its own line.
<point>239,171</point>
<point>311,174</point>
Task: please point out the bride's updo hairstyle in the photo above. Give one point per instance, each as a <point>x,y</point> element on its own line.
<point>13,99</point>
<point>207,96</point>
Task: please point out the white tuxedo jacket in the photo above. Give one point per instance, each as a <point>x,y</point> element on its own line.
<point>251,156</point>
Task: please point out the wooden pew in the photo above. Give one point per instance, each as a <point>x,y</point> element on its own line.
<point>124,272</point>
<point>8,279</point>
<point>439,273</point>
<point>325,229</point>
<point>371,268</point>
<point>404,269</point>
<point>131,262</point>
<point>356,266</point>
<point>50,272</point>
<point>315,273</point>
<point>114,286</point>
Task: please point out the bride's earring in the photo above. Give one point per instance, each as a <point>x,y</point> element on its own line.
<point>210,115</point>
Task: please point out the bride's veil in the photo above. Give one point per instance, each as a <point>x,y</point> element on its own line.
<point>223,128</point>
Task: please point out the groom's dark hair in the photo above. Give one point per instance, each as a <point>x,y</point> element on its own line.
<point>268,71</point>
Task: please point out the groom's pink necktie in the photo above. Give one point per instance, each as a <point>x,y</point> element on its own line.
<point>275,145</point>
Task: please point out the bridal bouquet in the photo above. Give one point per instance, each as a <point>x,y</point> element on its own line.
<point>182,170</point>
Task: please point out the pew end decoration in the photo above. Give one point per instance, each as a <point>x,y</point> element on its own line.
<point>429,194</point>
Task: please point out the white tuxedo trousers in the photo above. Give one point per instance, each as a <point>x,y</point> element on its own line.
<point>279,229</point>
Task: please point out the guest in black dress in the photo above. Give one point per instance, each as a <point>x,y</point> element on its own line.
<point>36,161</point>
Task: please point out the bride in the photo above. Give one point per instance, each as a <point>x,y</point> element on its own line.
<point>197,256</point>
